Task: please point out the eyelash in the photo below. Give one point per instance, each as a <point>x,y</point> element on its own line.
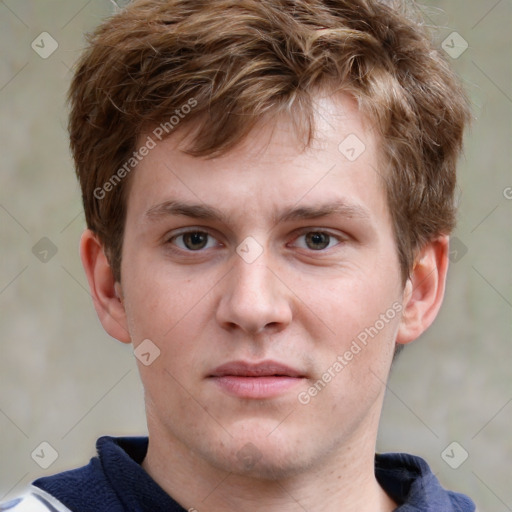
<point>191,232</point>
<point>331,236</point>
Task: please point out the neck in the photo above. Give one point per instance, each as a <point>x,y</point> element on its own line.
<point>344,481</point>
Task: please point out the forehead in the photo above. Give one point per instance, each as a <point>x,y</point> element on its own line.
<point>271,164</point>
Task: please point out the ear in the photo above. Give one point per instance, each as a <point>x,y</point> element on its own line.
<point>105,292</point>
<point>424,290</point>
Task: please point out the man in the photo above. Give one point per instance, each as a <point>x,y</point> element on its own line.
<point>268,188</point>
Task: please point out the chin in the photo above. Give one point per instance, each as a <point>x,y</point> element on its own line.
<point>265,458</point>
<point>266,466</point>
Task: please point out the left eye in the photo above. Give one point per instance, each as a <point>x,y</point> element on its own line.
<point>194,241</point>
<point>316,241</point>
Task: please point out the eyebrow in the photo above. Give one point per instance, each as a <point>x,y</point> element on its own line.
<point>196,211</point>
<point>335,208</point>
<point>204,212</point>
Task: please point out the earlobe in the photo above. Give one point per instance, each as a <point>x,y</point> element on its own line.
<point>105,292</point>
<point>424,291</point>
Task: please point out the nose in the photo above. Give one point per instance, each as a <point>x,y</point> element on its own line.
<point>254,299</point>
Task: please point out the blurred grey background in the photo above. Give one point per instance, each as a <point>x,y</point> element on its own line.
<point>64,382</point>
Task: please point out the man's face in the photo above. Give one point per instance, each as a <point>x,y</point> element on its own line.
<point>269,280</point>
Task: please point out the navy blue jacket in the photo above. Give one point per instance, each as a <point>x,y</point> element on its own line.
<point>114,481</point>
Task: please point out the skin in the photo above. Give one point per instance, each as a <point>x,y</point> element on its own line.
<point>298,303</point>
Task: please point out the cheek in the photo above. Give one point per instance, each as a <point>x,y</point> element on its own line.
<point>354,302</point>
<point>362,315</point>
<point>159,300</point>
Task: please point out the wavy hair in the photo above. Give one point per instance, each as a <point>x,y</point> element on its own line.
<point>244,60</point>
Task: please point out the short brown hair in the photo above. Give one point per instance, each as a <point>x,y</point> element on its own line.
<point>237,61</point>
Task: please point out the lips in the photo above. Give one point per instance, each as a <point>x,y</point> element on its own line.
<point>266,379</point>
<point>263,369</point>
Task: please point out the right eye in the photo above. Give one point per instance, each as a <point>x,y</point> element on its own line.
<point>194,241</point>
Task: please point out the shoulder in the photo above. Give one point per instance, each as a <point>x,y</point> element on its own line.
<point>85,488</point>
<point>105,483</point>
<point>59,493</point>
<point>409,480</point>
<point>34,500</point>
